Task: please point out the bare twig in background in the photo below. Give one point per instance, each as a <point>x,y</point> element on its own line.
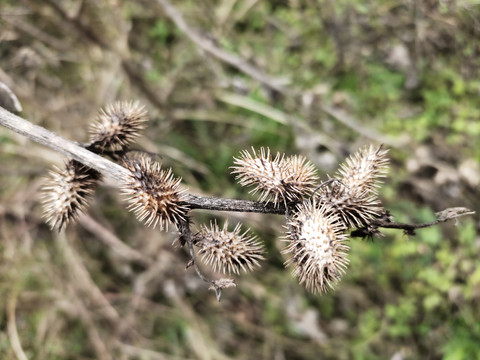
<point>226,56</point>
<point>136,352</point>
<point>12,327</point>
<point>8,99</point>
<point>113,242</point>
<point>85,315</point>
<point>84,283</point>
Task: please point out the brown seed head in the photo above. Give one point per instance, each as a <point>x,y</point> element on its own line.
<point>352,208</point>
<point>118,125</point>
<point>361,172</point>
<point>317,246</point>
<point>354,196</point>
<point>228,251</point>
<point>154,194</point>
<point>278,179</point>
<point>67,192</point>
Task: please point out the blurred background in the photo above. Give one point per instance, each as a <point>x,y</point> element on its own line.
<point>314,77</point>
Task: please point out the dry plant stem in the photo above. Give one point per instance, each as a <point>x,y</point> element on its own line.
<point>116,172</point>
<point>186,237</point>
<point>57,143</point>
<point>135,352</point>
<point>409,229</point>
<point>12,327</point>
<point>221,204</point>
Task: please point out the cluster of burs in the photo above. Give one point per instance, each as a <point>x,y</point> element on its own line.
<point>318,214</point>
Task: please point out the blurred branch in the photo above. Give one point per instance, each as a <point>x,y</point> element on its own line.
<point>226,56</point>
<point>113,242</point>
<point>101,349</point>
<point>277,115</point>
<point>75,21</point>
<point>83,281</point>
<point>135,352</point>
<point>12,327</point>
<point>8,99</point>
<point>370,133</point>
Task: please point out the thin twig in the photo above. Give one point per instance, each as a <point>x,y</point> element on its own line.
<point>216,285</point>
<point>186,236</point>
<point>442,216</point>
<point>409,229</point>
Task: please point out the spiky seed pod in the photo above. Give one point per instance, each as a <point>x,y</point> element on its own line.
<point>278,179</point>
<point>361,172</point>
<point>228,251</point>
<point>118,125</point>
<point>154,194</point>
<point>354,209</point>
<point>67,192</point>
<point>354,196</point>
<point>317,244</point>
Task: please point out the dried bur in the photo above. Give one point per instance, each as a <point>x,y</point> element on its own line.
<point>317,245</point>
<point>228,251</point>
<point>318,223</point>
<point>353,193</point>
<point>67,191</point>
<point>280,179</point>
<point>318,216</point>
<point>117,126</point>
<point>154,194</point>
